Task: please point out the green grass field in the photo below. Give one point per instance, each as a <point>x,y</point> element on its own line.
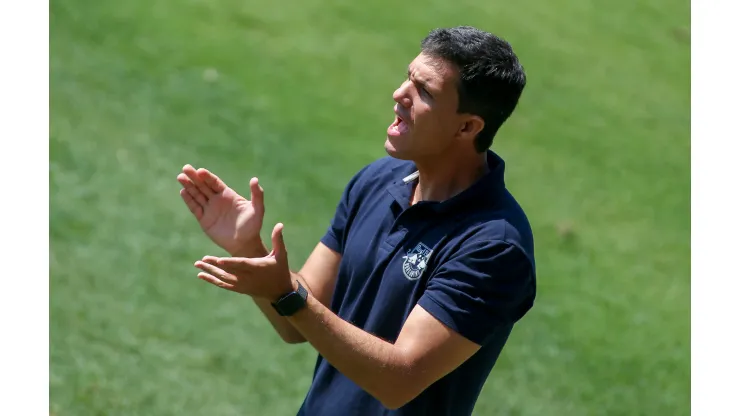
<point>597,153</point>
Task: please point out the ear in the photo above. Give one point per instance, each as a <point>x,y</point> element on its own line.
<point>470,127</point>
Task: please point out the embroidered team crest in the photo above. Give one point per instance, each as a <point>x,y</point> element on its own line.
<point>415,261</point>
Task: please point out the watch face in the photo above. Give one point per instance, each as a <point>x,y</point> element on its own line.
<point>292,302</point>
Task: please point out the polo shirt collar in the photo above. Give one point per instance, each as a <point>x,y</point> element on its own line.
<point>485,190</point>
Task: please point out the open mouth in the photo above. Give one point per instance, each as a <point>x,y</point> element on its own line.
<point>398,127</point>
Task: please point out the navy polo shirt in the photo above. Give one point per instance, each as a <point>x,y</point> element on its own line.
<point>468,261</point>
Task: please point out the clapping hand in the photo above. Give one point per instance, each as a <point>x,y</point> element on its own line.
<point>265,277</point>
<point>228,219</point>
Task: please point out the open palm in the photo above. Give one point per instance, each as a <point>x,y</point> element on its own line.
<point>227,218</point>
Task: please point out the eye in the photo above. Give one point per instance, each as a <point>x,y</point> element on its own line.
<point>423,91</point>
<point>418,86</point>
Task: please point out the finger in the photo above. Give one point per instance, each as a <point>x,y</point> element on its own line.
<point>278,243</point>
<point>233,267</point>
<point>216,272</point>
<point>213,182</point>
<point>199,183</point>
<point>257,195</point>
<point>235,263</point>
<point>193,206</point>
<point>215,281</point>
<point>192,189</point>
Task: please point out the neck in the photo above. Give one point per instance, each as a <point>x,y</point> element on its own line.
<point>446,176</point>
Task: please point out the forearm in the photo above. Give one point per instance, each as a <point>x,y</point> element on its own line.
<point>375,365</point>
<point>285,330</point>
<point>282,325</point>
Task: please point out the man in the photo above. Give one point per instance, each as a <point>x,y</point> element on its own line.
<point>428,262</point>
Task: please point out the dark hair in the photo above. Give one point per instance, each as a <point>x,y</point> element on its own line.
<point>491,77</point>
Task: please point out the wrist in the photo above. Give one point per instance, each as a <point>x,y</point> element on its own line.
<point>291,301</point>
<point>251,249</point>
<point>289,288</point>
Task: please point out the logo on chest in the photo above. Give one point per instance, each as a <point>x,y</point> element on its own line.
<point>415,261</point>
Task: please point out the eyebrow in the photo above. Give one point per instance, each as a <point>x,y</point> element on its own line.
<point>423,83</point>
<point>417,80</point>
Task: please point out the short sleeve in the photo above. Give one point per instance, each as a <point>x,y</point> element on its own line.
<point>484,286</point>
<point>336,235</point>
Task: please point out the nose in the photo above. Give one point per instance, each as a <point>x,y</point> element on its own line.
<point>401,94</point>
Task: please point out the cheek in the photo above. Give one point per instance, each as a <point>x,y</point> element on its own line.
<point>429,120</point>
<point>441,125</point>
<point>435,133</point>
<point>435,126</point>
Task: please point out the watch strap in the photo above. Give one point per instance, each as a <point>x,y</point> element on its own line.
<point>292,302</point>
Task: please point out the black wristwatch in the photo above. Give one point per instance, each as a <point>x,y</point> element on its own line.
<point>292,302</point>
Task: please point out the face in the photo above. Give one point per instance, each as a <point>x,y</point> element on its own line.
<point>427,124</point>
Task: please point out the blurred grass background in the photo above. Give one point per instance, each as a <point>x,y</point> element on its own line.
<point>299,94</point>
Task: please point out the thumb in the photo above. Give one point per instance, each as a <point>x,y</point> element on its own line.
<point>278,244</point>
<point>257,195</point>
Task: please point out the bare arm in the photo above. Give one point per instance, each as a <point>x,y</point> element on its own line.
<point>318,276</point>
<point>425,351</point>
<point>393,372</point>
<point>498,290</point>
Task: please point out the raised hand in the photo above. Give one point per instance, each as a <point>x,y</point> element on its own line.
<point>265,277</point>
<point>228,219</point>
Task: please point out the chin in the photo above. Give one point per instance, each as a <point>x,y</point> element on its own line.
<point>394,152</point>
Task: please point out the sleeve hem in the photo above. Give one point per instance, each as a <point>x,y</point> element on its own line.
<point>331,241</point>
<point>437,310</point>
